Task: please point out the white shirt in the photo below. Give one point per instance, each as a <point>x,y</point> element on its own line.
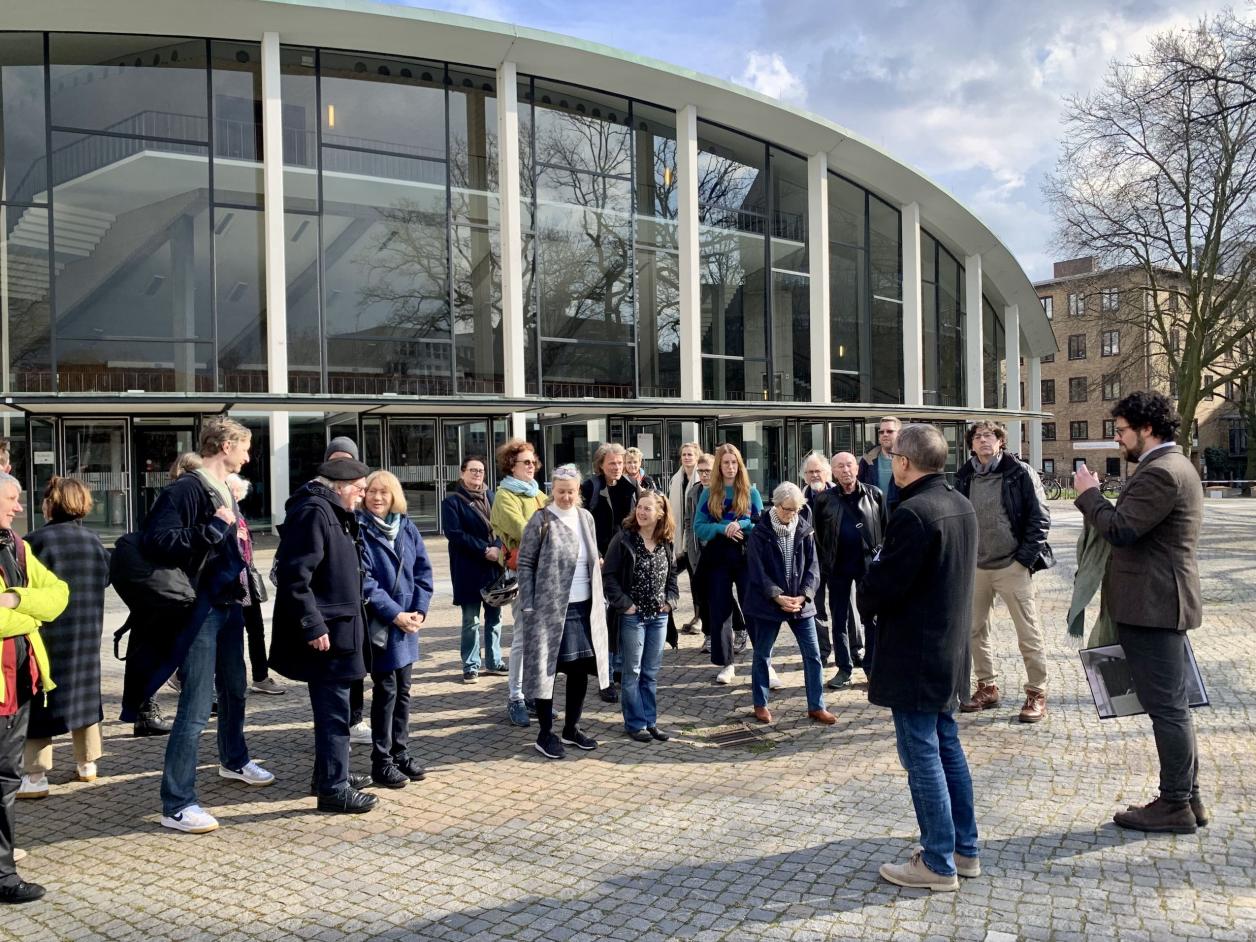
<point>581,585</point>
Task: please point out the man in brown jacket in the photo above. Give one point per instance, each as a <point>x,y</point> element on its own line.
<point>1151,588</point>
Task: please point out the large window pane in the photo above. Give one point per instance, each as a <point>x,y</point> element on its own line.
<point>791,313</point>
<point>237,90</point>
<point>586,369</point>
<point>305,358</point>
<point>87,365</point>
<point>886,267</point>
<point>145,85</point>
<point>848,306</point>
<point>22,143</point>
<point>950,331</point>
<point>582,130</point>
<point>929,316</point>
<point>24,296</point>
<point>240,289</point>
<point>389,105</point>
<point>299,87</point>
<point>371,366</point>
<point>478,309</point>
<point>887,350</point>
<point>789,212</point>
<point>473,147</point>
<point>658,293</point>
<point>847,216</point>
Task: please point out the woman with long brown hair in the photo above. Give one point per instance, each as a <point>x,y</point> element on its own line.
<point>727,511</point>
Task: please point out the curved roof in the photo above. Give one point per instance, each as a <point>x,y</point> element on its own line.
<point>408,31</point>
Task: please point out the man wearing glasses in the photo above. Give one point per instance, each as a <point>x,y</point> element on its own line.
<point>1012,526</point>
<point>875,468</point>
<point>1151,588</point>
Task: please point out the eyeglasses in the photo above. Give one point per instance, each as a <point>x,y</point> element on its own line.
<point>475,470</point>
<point>1119,430</point>
<point>528,461</point>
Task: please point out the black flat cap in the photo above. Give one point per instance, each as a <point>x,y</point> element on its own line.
<point>343,469</point>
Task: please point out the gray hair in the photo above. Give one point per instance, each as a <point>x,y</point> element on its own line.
<point>922,445</point>
<point>6,478</point>
<point>788,493</point>
<point>234,481</point>
<point>820,457</point>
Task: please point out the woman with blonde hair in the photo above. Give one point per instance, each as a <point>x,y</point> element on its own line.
<point>397,586</point>
<point>727,511</point>
<point>639,577</point>
<point>77,556</point>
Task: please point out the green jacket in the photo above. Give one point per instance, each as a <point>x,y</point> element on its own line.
<point>1093,553</point>
<point>510,514</point>
<point>42,599</point>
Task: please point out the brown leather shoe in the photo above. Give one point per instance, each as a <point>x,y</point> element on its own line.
<point>1198,809</point>
<point>1035,707</point>
<point>763,714</point>
<point>984,697</point>
<point>1168,817</point>
<point>822,716</point>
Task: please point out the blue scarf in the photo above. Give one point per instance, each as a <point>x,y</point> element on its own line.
<point>388,527</point>
<point>523,488</point>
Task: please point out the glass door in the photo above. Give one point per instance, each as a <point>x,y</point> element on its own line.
<point>461,439</point>
<point>96,453</point>
<point>411,455</point>
<point>157,444</point>
<point>648,436</point>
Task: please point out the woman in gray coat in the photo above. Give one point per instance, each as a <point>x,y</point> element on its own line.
<point>562,612</point>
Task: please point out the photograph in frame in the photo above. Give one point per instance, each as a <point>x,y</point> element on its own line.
<point>1112,686</point>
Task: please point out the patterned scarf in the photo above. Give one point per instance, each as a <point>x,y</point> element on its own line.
<point>785,539</point>
<point>523,488</point>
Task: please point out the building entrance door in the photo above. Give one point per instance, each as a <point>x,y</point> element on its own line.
<point>158,442</point>
<point>95,451</point>
<point>412,456</point>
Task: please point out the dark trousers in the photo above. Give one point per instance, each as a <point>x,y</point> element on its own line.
<point>686,566</point>
<point>330,703</point>
<point>577,686</point>
<point>839,620</point>
<point>725,564</point>
<point>390,716</point>
<point>255,629</point>
<point>12,737</point>
<point>357,697</point>
<point>1157,663</point>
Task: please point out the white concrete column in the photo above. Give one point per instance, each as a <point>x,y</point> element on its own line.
<point>689,433</point>
<point>1034,388</point>
<point>913,319</point>
<point>519,425</point>
<point>276,271</point>
<point>974,374</point>
<point>689,262</point>
<point>1011,323</point>
<point>514,369</point>
<point>818,262</point>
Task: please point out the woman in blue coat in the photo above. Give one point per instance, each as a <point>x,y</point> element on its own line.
<point>475,563</point>
<point>397,586</point>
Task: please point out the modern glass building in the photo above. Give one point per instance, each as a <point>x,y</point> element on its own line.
<point>430,232</point>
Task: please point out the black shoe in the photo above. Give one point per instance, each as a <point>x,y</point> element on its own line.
<point>347,801</point>
<point>640,735</point>
<point>616,678</point>
<point>547,744</point>
<point>357,781</point>
<point>150,722</point>
<point>21,892</point>
<point>389,776</point>
<point>573,737</point>
<point>530,706</point>
<point>609,695</point>
<point>856,659</point>
<point>410,768</point>
<point>213,708</point>
<point>657,733</point>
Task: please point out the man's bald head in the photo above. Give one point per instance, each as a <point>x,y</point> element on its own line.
<point>845,470</point>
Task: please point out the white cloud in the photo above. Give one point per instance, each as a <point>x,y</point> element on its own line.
<point>768,74</point>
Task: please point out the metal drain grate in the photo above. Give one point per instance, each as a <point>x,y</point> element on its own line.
<point>736,735</point>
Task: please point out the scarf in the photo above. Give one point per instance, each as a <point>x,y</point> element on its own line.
<point>785,539</point>
<point>522,488</point>
<point>477,499</point>
<point>388,527</point>
<point>988,468</point>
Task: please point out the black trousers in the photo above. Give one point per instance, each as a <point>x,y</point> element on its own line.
<point>1157,663</point>
<point>390,716</point>
<point>12,738</point>
<point>357,697</point>
<point>255,629</point>
<point>686,566</point>
<point>330,703</point>
<point>725,565</point>
<point>577,686</point>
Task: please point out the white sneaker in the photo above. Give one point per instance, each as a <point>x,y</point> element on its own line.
<point>361,733</point>
<point>18,855</point>
<point>193,819</point>
<point>726,675</point>
<point>33,786</point>
<point>774,679</point>
<point>251,774</point>
<point>87,772</point>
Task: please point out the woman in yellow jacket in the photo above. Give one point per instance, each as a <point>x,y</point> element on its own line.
<point>29,596</point>
<point>517,498</point>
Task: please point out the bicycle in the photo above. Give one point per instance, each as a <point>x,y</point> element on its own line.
<point>1052,486</point>
<point>1111,486</point>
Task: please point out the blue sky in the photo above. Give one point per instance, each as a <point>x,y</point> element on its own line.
<point>968,91</point>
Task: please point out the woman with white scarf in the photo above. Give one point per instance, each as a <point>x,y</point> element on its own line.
<point>782,579</point>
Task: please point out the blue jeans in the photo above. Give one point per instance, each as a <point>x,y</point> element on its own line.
<point>941,788</point>
<point>641,643</point>
<point>763,638</point>
<point>217,650</point>
<point>471,636</point>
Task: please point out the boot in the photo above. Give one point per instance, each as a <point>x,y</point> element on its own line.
<point>150,722</point>
<point>1171,817</point>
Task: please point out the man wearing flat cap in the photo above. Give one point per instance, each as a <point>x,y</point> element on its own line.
<point>319,632</point>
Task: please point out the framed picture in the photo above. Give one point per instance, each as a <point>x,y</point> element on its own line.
<point>1112,685</point>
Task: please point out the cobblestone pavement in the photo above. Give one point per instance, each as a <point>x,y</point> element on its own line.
<point>777,838</point>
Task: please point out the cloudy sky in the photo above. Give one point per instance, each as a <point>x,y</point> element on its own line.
<point>968,91</point>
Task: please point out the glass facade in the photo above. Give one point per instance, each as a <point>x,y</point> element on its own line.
<point>942,320</point>
<point>993,355</point>
<point>885,266</point>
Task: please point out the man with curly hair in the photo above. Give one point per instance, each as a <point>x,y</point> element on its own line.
<point>1151,588</point>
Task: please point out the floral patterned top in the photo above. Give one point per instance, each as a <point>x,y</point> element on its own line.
<point>649,578</point>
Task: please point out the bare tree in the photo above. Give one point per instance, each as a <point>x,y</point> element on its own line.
<point>1158,176</point>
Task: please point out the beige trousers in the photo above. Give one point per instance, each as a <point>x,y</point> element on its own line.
<point>37,754</point>
<point>1013,585</point>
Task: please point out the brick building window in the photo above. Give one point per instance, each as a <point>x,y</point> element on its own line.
<point>1047,305</point>
<point>1048,466</point>
<point>1076,305</point>
<point>1049,358</point>
<point>1077,431</point>
<point>1048,392</point>
<point>1208,381</point>
<point>1077,346</point>
<point>1112,387</point>
<point>1109,300</point>
<point>1109,428</point>
<point>1048,431</point>
<point>1077,389</point>
<point>1111,343</point>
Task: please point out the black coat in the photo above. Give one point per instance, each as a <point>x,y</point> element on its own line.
<point>868,475</point>
<point>469,536</point>
<point>181,530</point>
<point>617,574</point>
<point>920,587</point>
<point>1024,507</point>
<point>608,505</point>
<point>765,572</point>
<point>319,568</point>
<point>832,506</point>
<point>76,556</point>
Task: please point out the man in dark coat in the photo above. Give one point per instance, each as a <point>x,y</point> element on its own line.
<point>875,468</point>
<point>1151,588</point>
<point>193,526</point>
<point>475,563</point>
<point>319,629</point>
<point>920,588</point>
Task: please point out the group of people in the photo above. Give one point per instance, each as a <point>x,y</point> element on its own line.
<point>877,562</point>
